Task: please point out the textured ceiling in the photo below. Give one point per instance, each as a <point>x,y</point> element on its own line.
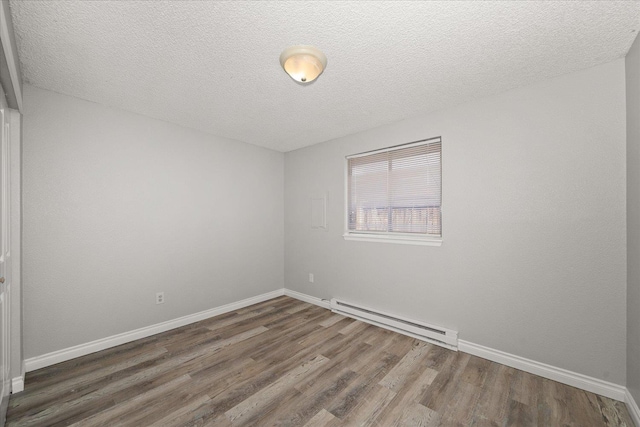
<point>214,66</point>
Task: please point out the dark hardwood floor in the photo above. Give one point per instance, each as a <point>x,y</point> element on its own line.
<point>288,363</point>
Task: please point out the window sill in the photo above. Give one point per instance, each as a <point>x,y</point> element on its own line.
<point>405,240</point>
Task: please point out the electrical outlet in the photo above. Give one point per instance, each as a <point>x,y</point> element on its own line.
<point>160,298</point>
<point>310,277</point>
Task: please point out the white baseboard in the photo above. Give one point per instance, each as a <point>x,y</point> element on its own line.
<point>574,379</point>
<point>17,383</point>
<point>604,388</point>
<point>308,298</point>
<point>632,406</point>
<point>63,355</point>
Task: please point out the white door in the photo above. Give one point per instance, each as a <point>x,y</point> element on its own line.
<point>5,261</point>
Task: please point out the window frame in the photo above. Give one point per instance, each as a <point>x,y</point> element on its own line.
<point>389,236</point>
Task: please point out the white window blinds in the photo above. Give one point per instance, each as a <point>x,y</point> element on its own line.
<point>396,190</point>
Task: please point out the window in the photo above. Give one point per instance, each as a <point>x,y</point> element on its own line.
<point>395,194</point>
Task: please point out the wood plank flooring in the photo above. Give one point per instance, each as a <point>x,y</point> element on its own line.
<point>288,363</point>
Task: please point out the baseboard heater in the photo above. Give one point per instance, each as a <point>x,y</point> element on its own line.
<point>413,328</point>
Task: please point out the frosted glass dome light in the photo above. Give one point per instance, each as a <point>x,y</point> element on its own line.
<point>303,63</point>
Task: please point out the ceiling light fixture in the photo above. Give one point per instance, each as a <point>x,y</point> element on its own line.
<point>303,63</point>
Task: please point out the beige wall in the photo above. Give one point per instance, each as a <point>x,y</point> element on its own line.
<point>117,207</point>
<point>633,219</point>
<point>533,260</point>
<point>17,343</point>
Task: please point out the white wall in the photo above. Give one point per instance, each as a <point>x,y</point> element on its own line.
<point>117,207</point>
<point>533,260</point>
<point>633,219</point>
